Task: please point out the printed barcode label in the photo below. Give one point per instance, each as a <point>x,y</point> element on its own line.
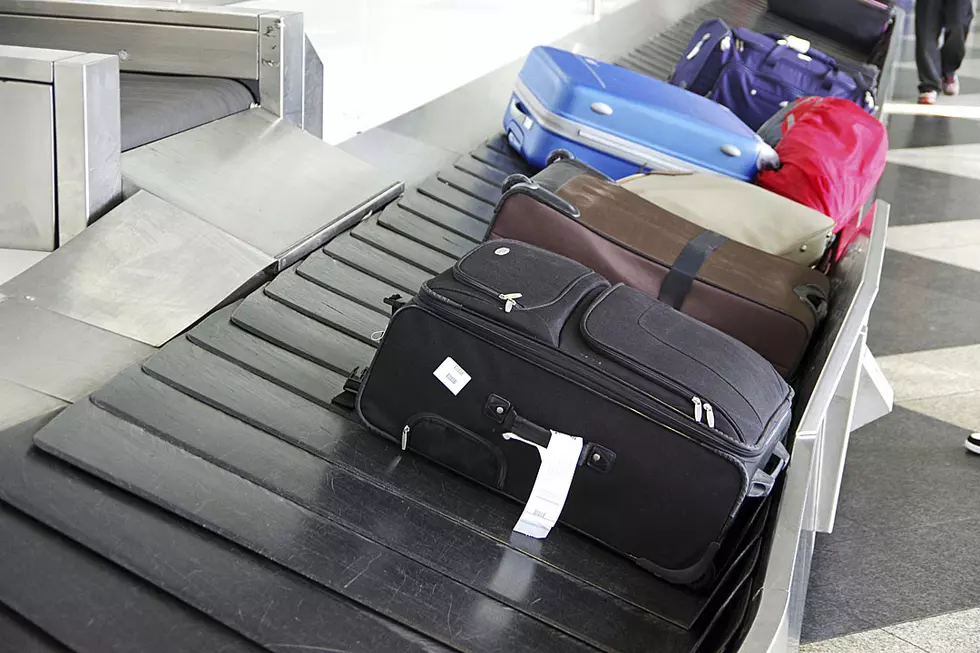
<point>558,463</point>
<point>452,375</point>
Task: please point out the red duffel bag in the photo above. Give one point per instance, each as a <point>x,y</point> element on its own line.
<point>832,153</point>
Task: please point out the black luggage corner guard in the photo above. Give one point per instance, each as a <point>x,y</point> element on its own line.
<point>347,399</point>
<point>815,298</point>
<point>687,576</point>
<point>762,481</point>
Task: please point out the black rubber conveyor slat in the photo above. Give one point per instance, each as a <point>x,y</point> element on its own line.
<point>471,185</point>
<point>327,307</point>
<point>265,317</point>
<point>309,380</point>
<point>268,406</point>
<point>408,250</point>
<point>372,261</point>
<point>444,216</point>
<point>442,192</point>
<point>249,594</point>
<point>76,596</point>
<point>484,564</point>
<point>471,165</point>
<point>421,230</point>
<point>323,551</point>
<point>18,634</point>
<point>344,280</point>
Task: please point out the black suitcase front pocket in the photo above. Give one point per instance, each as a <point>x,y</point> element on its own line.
<point>457,448</point>
<point>674,352</point>
<point>524,287</point>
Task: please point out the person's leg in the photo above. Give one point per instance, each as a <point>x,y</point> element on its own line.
<point>928,26</point>
<point>957,17</point>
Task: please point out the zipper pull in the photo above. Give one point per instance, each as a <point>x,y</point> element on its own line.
<point>405,437</point>
<point>697,408</point>
<point>697,47</point>
<point>510,300</point>
<point>710,414</point>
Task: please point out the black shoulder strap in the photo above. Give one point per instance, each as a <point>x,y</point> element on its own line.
<point>682,273</point>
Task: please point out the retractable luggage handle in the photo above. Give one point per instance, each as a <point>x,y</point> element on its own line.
<point>594,456</point>
<point>763,481</point>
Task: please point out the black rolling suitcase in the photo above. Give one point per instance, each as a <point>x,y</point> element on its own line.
<point>671,424</point>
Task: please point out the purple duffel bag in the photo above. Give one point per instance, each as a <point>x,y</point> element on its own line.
<point>755,74</point>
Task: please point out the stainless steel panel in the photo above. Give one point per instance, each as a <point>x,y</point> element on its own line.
<point>59,356</point>
<point>27,184</point>
<point>282,54</point>
<point>776,626</point>
<point>140,11</point>
<point>88,141</point>
<point>147,271</point>
<point>875,395</point>
<point>19,404</point>
<point>262,180</point>
<point>832,447</point>
<point>29,64</point>
<point>173,49</point>
<point>15,261</point>
<point>312,91</point>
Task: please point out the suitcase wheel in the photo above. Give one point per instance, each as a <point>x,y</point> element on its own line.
<point>559,155</point>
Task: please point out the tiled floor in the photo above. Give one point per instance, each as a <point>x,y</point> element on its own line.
<point>900,572</point>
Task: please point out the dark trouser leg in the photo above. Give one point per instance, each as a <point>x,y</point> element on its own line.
<point>958,16</point>
<point>929,16</point>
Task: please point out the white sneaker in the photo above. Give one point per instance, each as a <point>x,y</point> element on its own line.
<point>973,443</point>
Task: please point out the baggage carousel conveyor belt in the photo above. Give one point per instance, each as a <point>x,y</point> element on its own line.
<point>241,509</point>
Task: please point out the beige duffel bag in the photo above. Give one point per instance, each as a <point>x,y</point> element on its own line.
<point>739,210</point>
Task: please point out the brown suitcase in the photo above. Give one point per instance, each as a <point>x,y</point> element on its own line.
<point>771,304</point>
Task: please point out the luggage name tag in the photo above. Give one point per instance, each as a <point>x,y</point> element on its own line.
<point>558,463</point>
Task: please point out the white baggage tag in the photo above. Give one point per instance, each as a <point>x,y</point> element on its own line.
<point>558,462</point>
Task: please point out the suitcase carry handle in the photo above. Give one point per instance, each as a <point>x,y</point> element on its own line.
<point>593,456</point>
<point>519,184</point>
<point>815,298</point>
<point>762,481</point>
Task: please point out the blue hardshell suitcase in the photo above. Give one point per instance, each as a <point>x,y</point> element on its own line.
<point>621,122</point>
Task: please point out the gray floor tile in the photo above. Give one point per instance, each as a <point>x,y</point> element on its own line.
<point>846,528</point>
<point>876,641</point>
<point>912,486</point>
<point>919,196</point>
<point>932,275</point>
<point>900,576</point>
<point>825,618</point>
<point>962,410</point>
<point>908,318</point>
<point>926,131</point>
<point>908,470</point>
<point>958,632</point>
<point>924,304</point>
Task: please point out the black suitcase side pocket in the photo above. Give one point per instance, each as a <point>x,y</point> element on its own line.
<point>455,447</point>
